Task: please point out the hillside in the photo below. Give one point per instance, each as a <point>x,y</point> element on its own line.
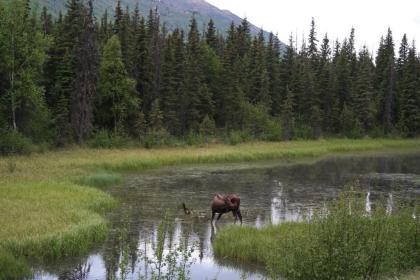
<point>174,13</point>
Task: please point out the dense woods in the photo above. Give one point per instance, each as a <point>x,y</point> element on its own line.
<point>120,79</point>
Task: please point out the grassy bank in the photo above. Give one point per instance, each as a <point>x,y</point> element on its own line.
<point>48,208</point>
<point>343,242</point>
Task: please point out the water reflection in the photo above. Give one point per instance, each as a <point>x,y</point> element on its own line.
<point>138,245</point>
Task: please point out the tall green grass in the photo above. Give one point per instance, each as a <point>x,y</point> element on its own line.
<point>100,180</point>
<point>343,242</point>
<point>250,152</point>
<point>12,268</point>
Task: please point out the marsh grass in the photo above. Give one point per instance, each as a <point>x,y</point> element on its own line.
<point>100,180</point>
<point>138,160</point>
<point>11,165</point>
<point>343,242</point>
<point>12,268</point>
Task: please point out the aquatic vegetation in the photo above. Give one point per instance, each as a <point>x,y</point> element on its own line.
<point>341,242</point>
<point>158,259</point>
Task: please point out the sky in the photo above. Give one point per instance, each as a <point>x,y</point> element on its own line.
<point>370,18</point>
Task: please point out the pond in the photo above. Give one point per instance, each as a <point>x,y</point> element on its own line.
<point>271,193</point>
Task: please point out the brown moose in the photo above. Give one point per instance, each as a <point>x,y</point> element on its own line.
<point>222,204</point>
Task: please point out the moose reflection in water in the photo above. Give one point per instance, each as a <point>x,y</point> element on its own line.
<point>222,204</point>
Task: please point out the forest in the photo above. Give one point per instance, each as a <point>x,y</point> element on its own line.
<point>125,79</point>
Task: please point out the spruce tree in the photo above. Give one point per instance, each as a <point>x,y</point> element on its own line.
<point>211,36</point>
<point>362,95</point>
<point>87,59</point>
<point>410,95</point>
<point>115,88</point>
<point>287,116</point>
<point>385,83</point>
<point>199,101</point>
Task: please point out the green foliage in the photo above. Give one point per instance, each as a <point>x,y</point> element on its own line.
<point>115,87</point>
<point>156,138</point>
<point>207,127</point>
<point>350,124</point>
<point>235,137</point>
<point>106,140</point>
<point>257,122</point>
<point>23,54</point>
<point>342,241</point>
<point>13,142</point>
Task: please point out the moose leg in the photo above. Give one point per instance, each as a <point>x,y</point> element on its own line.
<point>238,213</point>
<point>235,215</point>
<point>220,215</point>
<point>212,216</point>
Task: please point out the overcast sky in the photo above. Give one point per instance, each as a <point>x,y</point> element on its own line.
<point>370,18</point>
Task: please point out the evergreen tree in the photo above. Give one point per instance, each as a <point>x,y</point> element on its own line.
<point>410,95</point>
<point>170,100</point>
<point>259,91</point>
<point>116,89</point>
<point>211,36</point>
<point>313,47</point>
<point>199,100</point>
<point>287,116</point>
<point>87,57</point>
<point>385,80</point>
<point>363,90</point>
<point>46,22</point>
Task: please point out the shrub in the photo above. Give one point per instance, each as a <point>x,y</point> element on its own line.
<point>13,142</point>
<point>156,138</point>
<point>105,140</point>
<point>234,138</point>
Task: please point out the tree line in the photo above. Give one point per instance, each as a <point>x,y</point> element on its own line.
<point>73,78</point>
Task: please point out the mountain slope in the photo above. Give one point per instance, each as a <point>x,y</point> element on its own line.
<point>174,13</point>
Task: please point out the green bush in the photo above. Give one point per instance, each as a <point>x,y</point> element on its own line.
<point>303,131</point>
<point>13,142</point>
<point>272,131</point>
<point>156,138</point>
<point>235,138</point>
<point>106,140</point>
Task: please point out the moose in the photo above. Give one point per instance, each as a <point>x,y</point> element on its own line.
<point>222,204</point>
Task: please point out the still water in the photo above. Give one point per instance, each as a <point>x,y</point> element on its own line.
<point>271,193</point>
